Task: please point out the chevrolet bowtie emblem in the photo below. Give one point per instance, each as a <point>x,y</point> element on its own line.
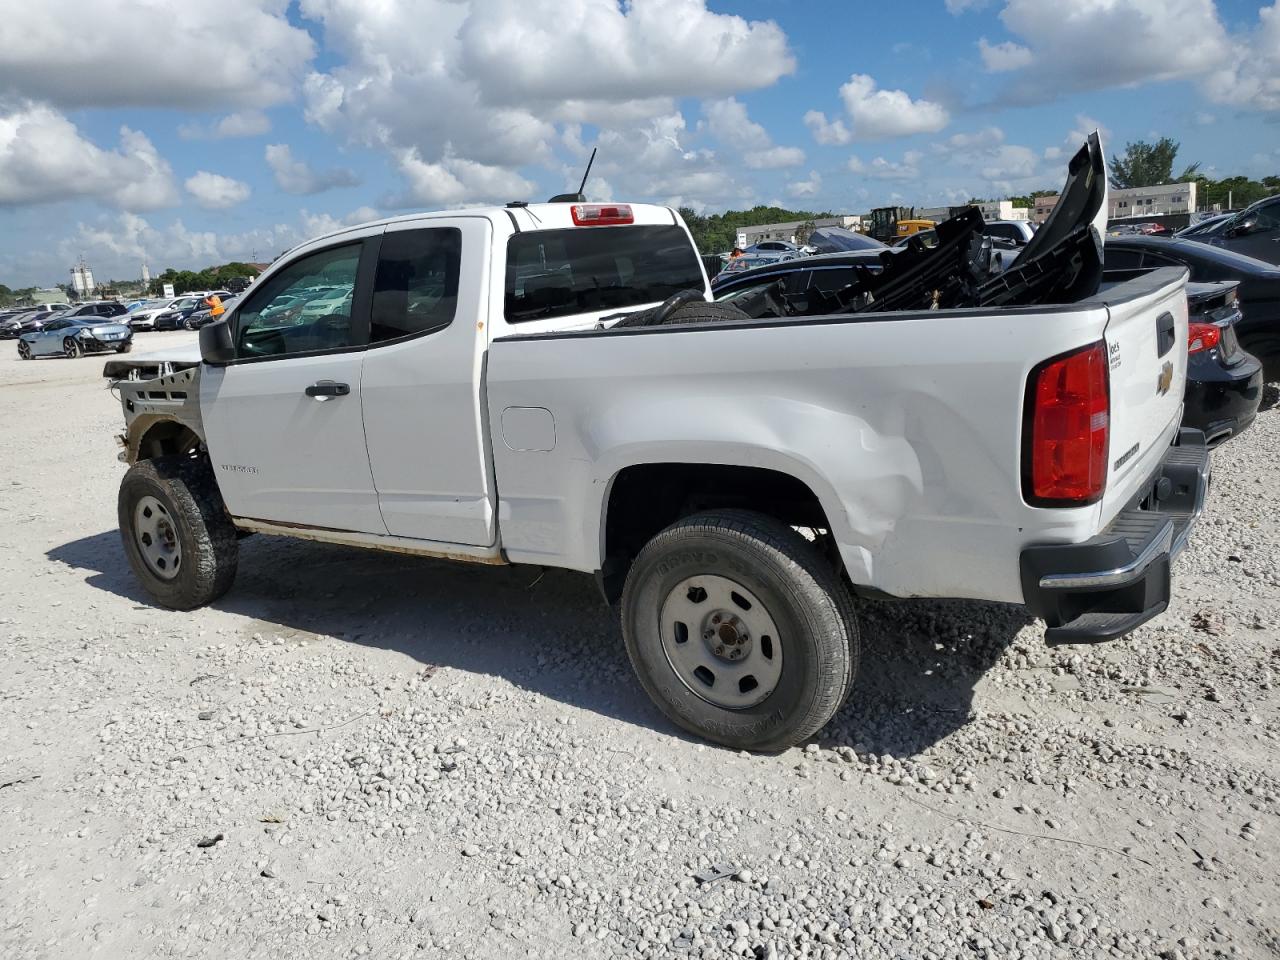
<point>1166,379</point>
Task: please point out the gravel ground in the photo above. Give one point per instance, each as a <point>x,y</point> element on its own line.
<point>356,754</point>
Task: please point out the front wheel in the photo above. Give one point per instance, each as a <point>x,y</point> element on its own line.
<point>125,347</point>
<point>189,323</point>
<point>24,350</point>
<point>179,540</point>
<point>71,347</point>
<point>739,631</point>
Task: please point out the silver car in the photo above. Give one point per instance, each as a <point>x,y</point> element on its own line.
<point>75,336</point>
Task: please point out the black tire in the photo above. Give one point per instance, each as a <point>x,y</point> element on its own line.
<point>188,324</point>
<point>805,597</point>
<point>207,538</point>
<point>125,347</point>
<point>24,350</point>
<point>71,348</point>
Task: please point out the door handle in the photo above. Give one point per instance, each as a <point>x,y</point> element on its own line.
<point>325,389</point>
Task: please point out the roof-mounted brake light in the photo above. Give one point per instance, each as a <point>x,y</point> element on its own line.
<point>602,214</point>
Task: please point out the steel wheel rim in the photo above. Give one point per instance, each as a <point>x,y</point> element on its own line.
<point>721,641</point>
<point>156,534</point>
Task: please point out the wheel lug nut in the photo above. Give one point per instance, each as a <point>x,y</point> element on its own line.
<point>719,651</point>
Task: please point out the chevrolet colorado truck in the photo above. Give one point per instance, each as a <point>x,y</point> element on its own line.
<point>546,384</point>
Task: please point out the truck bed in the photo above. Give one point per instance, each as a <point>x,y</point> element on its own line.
<point>907,426</point>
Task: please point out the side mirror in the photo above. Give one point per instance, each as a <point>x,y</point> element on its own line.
<point>216,346</point>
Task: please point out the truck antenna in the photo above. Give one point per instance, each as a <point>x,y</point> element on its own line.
<point>578,197</point>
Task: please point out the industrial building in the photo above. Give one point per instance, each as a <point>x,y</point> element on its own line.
<point>991,210</point>
<point>82,280</point>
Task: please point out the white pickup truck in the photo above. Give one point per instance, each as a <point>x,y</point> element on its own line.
<point>497,387</point>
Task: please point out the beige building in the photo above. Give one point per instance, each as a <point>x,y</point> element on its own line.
<point>1043,207</point>
<point>1152,201</point>
<point>991,210</point>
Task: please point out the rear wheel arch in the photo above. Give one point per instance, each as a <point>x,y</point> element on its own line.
<point>641,500</point>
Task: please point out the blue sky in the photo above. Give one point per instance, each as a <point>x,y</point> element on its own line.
<point>144,140</point>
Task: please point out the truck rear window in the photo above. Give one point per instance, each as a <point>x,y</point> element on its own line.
<point>558,273</point>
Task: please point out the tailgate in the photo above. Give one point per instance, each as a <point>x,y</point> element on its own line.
<point>1146,337</point>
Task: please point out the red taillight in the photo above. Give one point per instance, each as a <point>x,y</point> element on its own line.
<point>1068,420</point>
<point>602,214</point>
<point>1202,336</point>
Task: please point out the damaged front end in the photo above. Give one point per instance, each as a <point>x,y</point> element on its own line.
<point>161,411</point>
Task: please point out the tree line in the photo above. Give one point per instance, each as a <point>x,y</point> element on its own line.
<point>718,232</point>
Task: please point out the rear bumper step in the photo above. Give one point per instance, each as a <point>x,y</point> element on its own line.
<point>1106,587</point>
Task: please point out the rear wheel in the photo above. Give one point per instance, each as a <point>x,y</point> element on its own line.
<point>739,631</point>
<point>179,540</point>
<point>24,350</point>
<point>71,347</point>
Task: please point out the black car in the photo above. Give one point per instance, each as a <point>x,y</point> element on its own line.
<point>1259,326</point>
<point>1254,231</point>
<point>176,318</point>
<point>204,315</point>
<point>1224,382</point>
<point>827,272</point>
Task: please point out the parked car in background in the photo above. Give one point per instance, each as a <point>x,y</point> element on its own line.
<point>10,323</point>
<point>204,314</point>
<point>176,316</point>
<point>38,319</point>
<point>75,336</point>
<point>1254,231</point>
<point>1018,231</point>
<point>1259,325</point>
<point>1224,381</point>
<point>776,248</point>
<point>144,318</point>
<point>827,272</point>
<point>743,264</point>
<point>97,308</point>
<point>1208,227</point>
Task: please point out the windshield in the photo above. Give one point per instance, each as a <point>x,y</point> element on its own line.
<point>558,273</point>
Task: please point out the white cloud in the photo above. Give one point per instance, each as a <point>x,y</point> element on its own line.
<point>1251,74</point>
<point>957,7</point>
<point>882,169</point>
<point>296,176</point>
<point>245,123</point>
<point>827,133</point>
<point>455,181</point>
<point>730,124</point>
<point>44,158</point>
<point>806,188</point>
<point>983,139</point>
<point>1096,44</point>
<point>216,192</point>
<point>645,48</point>
<point>884,114</point>
<point>1003,57</point>
<point>115,53</point>
<point>470,89</point>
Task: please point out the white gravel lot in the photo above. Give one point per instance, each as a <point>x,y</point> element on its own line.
<point>357,754</point>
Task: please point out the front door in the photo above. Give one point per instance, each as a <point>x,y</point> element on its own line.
<point>283,420</point>
<point>422,379</point>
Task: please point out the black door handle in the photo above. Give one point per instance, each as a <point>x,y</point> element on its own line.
<point>326,389</point>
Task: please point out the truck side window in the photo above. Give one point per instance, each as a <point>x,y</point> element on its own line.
<point>304,308</point>
<point>416,286</point>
